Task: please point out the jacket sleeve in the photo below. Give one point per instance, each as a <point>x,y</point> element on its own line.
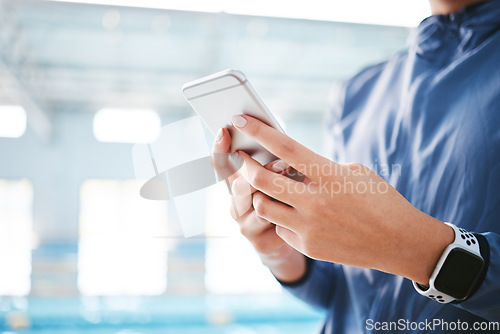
<point>485,301</point>
<point>318,285</point>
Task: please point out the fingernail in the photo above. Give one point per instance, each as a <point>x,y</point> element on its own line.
<point>280,166</point>
<point>238,121</point>
<point>219,135</point>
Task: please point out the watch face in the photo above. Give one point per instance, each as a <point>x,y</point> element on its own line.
<point>459,273</point>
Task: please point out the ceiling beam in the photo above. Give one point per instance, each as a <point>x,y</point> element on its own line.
<point>17,67</point>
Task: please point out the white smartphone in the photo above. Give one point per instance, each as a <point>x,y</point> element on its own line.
<point>216,98</point>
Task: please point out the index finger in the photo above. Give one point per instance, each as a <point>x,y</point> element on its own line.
<point>297,155</point>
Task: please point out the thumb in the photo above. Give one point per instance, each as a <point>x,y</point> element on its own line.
<point>221,158</point>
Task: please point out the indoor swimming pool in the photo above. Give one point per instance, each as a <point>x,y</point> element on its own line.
<point>180,315</point>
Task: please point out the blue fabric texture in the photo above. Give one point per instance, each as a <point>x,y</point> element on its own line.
<point>428,121</point>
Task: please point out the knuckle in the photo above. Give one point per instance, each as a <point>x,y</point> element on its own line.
<point>244,206</point>
<point>352,166</point>
<point>357,168</point>
<point>360,168</point>
<point>240,187</point>
<point>241,205</point>
<point>258,179</point>
<point>288,147</point>
<point>259,205</point>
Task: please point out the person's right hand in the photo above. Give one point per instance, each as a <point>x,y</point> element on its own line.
<point>286,263</point>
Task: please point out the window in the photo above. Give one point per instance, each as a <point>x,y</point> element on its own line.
<point>118,252</point>
<point>358,11</point>
<point>12,121</point>
<point>16,199</point>
<point>127,125</point>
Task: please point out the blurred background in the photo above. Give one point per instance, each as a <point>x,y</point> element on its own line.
<point>81,82</point>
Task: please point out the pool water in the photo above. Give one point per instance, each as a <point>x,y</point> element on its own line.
<point>273,314</point>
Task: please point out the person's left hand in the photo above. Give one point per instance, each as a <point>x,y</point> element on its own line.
<point>343,213</point>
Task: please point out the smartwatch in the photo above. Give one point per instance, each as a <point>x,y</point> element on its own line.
<point>457,271</point>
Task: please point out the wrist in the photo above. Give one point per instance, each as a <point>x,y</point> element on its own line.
<point>424,244</point>
<point>288,265</point>
<point>442,236</point>
<point>459,271</point>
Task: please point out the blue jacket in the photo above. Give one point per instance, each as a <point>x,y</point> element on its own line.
<point>428,121</point>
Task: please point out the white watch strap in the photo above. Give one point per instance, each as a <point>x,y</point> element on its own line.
<point>463,239</point>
